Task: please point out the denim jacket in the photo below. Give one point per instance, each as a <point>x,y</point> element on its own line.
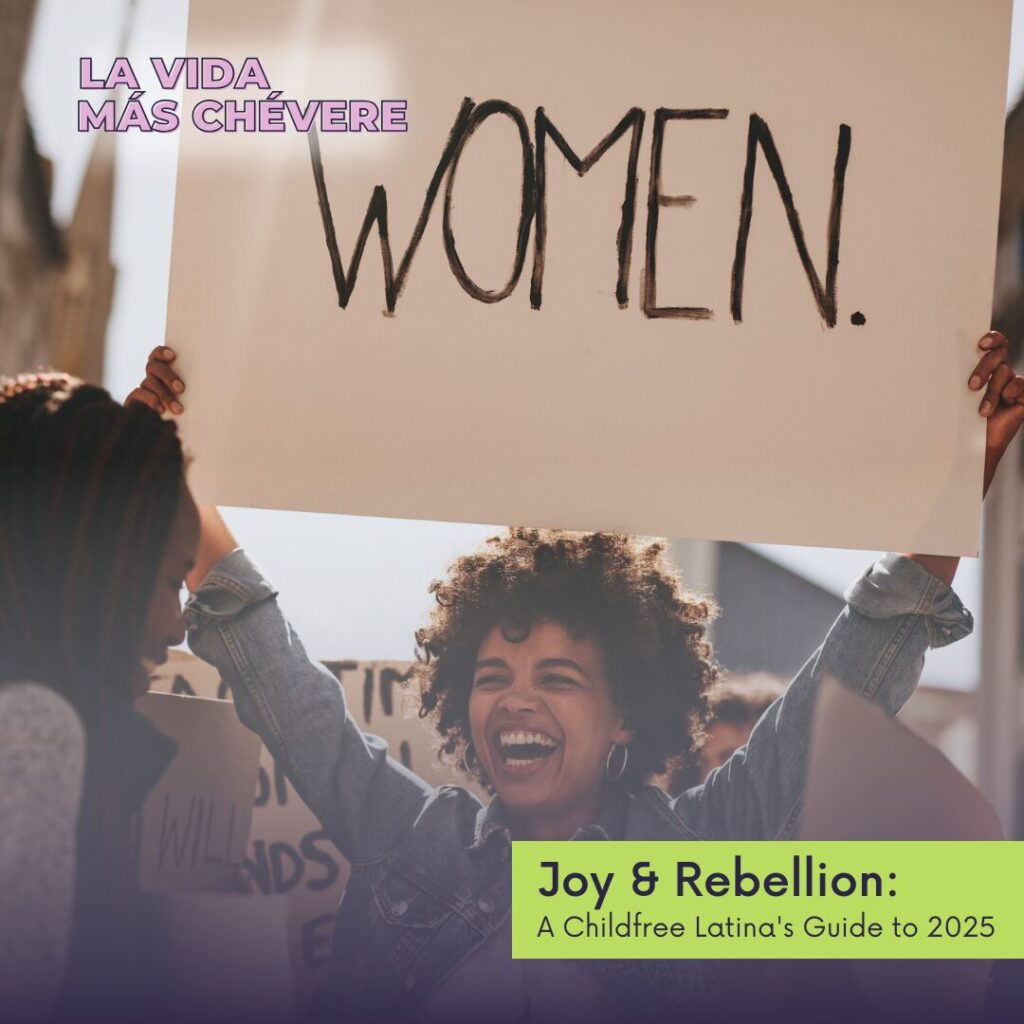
<point>431,878</point>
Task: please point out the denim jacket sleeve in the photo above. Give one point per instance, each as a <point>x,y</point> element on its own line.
<point>364,798</point>
<point>894,613</point>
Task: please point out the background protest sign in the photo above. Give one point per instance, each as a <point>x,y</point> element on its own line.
<point>766,276</point>
<point>194,825</point>
<point>290,856</point>
<point>871,778</point>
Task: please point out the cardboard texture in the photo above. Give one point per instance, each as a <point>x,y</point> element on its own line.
<point>871,778</point>
<point>289,855</point>
<point>680,375</point>
<point>194,825</point>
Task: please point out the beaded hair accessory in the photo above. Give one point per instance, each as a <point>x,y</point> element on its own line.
<point>58,385</point>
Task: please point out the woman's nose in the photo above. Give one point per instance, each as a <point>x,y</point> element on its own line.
<point>518,700</point>
<point>179,630</point>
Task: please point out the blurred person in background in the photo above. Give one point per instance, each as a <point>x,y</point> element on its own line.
<point>735,703</point>
<point>97,532</point>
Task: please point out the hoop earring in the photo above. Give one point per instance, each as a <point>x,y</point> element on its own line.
<point>614,776</point>
<point>468,754</point>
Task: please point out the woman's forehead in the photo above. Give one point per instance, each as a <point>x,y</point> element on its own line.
<point>543,639</point>
<point>184,537</point>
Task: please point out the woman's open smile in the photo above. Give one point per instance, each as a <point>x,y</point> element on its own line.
<point>543,720</point>
<point>522,751</point>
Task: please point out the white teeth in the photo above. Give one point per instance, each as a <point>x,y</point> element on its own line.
<point>510,738</point>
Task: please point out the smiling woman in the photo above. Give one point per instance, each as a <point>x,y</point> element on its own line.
<point>555,663</point>
<point>563,670</point>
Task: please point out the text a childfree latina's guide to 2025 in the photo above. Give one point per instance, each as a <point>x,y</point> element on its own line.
<point>737,900</point>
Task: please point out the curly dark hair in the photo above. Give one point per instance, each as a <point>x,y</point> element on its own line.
<point>610,587</point>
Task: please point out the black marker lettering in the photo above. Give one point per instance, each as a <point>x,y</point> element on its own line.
<point>377,211</point>
<point>655,201</point>
<point>479,115</point>
<point>633,120</point>
<point>825,297</point>
<point>310,847</point>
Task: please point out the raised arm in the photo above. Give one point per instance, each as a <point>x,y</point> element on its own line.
<point>894,613</point>
<point>1002,405</point>
<point>898,609</point>
<point>365,799</point>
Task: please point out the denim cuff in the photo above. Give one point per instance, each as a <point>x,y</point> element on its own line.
<point>895,585</point>
<point>232,585</point>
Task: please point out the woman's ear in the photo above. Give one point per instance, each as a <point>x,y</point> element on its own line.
<point>623,734</point>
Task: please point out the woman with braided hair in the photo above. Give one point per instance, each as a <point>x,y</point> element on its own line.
<point>97,529</point>
<point>562,671</point>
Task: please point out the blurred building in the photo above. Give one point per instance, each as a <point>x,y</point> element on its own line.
<point>773,619</point>
<point>56,284</point>
<point>31,251</point>
<point>1001,709</point>
<point>85,286</point>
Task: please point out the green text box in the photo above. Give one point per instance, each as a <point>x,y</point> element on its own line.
<point>848,900</point>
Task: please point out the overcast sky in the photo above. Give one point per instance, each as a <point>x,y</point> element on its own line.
<point>355,587</point>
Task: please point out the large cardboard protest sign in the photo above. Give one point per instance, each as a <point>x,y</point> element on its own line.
<point>702,267</point>
<point>194,825</point>
<point>289,855</point>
